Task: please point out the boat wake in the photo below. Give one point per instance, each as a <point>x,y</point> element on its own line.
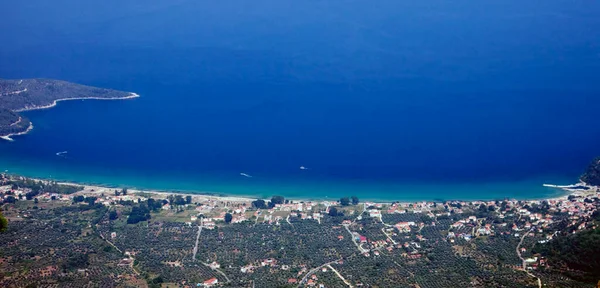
<point>61,154</point>
<point>246,175</point>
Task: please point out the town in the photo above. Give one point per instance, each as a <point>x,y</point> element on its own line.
<point>60,233</point>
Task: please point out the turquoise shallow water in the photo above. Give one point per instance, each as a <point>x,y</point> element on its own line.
<point>296,188</point>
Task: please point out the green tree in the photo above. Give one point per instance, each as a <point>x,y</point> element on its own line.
<point>138,214</point>
<point>124,191</point>
<point>188,199</point>
<point>228,218</point>
<point>113,215</point>
<point>90,200</point>
<point>277,199</point>
<point>3,223</point>
<point>333,212</point>
<point>35,200</point>
<point>345,201</point>
<point>259,203</point>
<point>354,200</point>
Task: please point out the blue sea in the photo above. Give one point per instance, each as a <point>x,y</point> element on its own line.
<point>386,100</point>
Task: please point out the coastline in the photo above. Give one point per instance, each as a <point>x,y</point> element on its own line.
<point>8,137</point>
<point>96,189</point>
<point>99,189</point>
<point>55,102</point>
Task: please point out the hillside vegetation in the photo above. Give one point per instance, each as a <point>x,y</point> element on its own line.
<point>592,173</point>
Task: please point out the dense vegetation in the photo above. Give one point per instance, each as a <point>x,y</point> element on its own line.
<point>12,123</point>
<point>3,223</point>
<point>38,187</point>
<point>576,255</point>
<point>29,93</point>
<point>591,176</point>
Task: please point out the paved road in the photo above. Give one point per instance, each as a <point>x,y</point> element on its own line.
<point>197,240</point>
<point>354,240</point>
<point>523,263</point>
<point>340,275</point>
<point>315,270</point>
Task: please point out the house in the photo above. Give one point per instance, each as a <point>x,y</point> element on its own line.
<point>404,226</point>
<point>362,239</point>
<point>125,262</point>
<point>247,269</point>
<point>210,282</point>
<point>208,225</point>
<point>375,213</point>
<point>268,262</point>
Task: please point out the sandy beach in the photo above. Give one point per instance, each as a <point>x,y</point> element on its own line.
<point>200,196</point>
<point>97,190</point>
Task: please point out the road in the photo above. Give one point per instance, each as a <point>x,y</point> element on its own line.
<point>218,271</point>
<point>197,240</point>
<point>113,245</point>
<point>388,236</point>
<point>312,271</point>
<point>362,250</point>
<point>340,275</point>
<point>523,263</point>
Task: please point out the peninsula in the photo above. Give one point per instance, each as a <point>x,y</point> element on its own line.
<point>31,94</point>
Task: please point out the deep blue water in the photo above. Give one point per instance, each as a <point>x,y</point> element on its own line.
<point>389,100</point>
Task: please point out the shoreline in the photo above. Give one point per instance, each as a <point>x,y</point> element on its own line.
<point>95,188</point>
<point>55,102</point>
<point>8,137</point>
